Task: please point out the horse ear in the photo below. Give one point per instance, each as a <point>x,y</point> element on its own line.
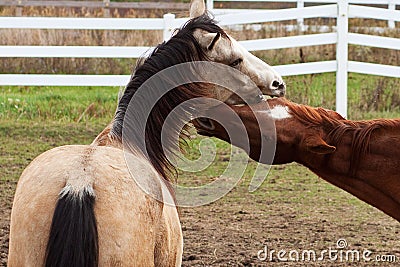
<point>197,8</point>
<point>317,145</point>
<point>209,40</point>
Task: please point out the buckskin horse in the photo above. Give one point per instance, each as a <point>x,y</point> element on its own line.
<point>79,205</point>
<point>361,157</point>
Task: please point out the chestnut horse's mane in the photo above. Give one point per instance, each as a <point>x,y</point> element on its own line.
<point>337,127</point>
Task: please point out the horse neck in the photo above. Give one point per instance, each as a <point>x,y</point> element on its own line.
<point>289,130</point>
<point>360,145</point>
<point>372,174</point>
<point>366,159</point>
<point>376,180</point>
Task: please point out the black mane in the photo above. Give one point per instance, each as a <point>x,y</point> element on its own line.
<point>181,48</point>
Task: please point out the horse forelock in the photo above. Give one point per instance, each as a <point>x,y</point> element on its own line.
<point>336,128</point>
<point>181,48</point>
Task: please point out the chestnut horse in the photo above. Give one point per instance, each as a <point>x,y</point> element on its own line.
<point>80,205</point>
<point>361,157</point>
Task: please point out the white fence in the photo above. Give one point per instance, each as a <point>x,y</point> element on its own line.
<point>342,11</point>
<point>391,5</point>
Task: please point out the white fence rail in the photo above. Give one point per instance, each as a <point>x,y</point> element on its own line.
<point>391,5</point>
<point>342,11</point>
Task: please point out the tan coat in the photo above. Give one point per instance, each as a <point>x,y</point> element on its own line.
<point>134,229</point>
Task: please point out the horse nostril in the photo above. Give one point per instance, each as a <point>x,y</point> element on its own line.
<point>276,84</point>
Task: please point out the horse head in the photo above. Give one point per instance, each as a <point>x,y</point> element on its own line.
<point>222,48</point>
<point>275,121</point>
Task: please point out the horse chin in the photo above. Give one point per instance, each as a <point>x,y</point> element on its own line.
<point>236,100</point>
<point>266,97</point>
<point>206,126</point>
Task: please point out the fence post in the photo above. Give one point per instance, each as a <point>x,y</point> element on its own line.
<point>391,6</point>
<point>210,5</point>
<point>106,8</point>
<point>18,9</point>
<point>300,20</point>
<point>342,27</point>
<point>168,26</point>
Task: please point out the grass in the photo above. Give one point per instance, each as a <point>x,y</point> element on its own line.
<point>34,119</point>
<point>21,142</point>
<point>369,97</point>
<point>68,104</point>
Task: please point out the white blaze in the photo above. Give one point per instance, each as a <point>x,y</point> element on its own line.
<point>278,112</point>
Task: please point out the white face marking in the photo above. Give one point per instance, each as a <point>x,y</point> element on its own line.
<point>228,50</point>
<point>278,112</point>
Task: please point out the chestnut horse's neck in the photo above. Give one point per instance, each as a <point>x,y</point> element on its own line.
<point>360,138</point>
<point>366,161</point>
<point>375,179</point>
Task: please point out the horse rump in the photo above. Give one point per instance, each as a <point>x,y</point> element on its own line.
<point>73,239</point>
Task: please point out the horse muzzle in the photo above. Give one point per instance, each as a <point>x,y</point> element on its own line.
<point>275,89</point>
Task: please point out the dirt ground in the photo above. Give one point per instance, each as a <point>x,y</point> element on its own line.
<point>6,195</point>
<point>231,231</point>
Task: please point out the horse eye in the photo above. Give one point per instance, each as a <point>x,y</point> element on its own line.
<point>236,62</point>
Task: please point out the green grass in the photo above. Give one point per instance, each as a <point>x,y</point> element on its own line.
<point>34,119</point>
<point>21,142</point>
<point>369,97</point>
<point>57,103</point>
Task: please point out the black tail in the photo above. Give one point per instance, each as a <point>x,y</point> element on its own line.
<point>73,239</point>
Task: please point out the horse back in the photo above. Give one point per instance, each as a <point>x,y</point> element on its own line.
<point>128,220</point>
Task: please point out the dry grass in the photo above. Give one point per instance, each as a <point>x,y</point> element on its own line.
<point>150,38</point>
<point>72,37</point>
